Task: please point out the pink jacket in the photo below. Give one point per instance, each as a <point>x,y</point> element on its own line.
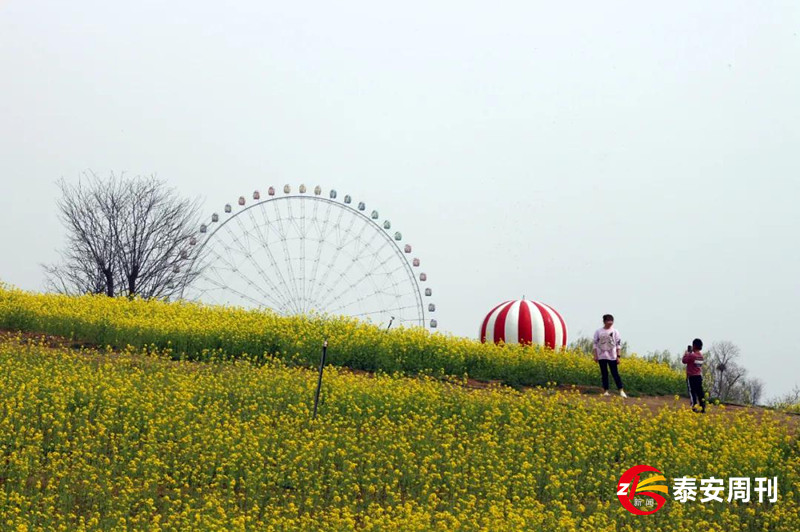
<point>607,344</point>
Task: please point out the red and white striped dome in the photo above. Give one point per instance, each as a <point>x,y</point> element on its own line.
<point>524,322</point>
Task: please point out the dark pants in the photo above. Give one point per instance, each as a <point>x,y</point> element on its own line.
<point>695,385</point>
<point>604,366</point>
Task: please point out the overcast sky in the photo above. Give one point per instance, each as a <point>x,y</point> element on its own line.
<point>637,158</point>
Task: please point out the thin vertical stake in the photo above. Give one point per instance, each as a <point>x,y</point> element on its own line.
<point>319,380</point>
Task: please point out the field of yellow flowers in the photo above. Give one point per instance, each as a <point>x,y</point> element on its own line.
<point>133,440</point>
<point>201,333</point>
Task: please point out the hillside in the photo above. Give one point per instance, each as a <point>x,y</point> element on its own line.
<point>203,333</point>
<point>113,440</point>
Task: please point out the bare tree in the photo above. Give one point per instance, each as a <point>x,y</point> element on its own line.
<point>88,260</point>
<point>790,401</point>
<point>584,344</point>
<point>752,391</point>
<point>665,357</point>
<point>723,371</point>
<point>125,236</point>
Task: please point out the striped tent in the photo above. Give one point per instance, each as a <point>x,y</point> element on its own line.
<point>524,322</point>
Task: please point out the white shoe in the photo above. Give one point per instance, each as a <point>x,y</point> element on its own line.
<point>606,394</point>
<point>623,394</point>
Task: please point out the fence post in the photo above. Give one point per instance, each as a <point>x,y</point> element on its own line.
<point>319,380</point>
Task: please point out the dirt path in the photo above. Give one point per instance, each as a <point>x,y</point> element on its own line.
<point>654,403</point>
<point>46,339</point>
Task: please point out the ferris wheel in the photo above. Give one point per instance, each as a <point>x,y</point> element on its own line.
<point>305,252</point>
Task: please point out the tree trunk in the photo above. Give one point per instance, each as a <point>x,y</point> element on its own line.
<point>109,282</point>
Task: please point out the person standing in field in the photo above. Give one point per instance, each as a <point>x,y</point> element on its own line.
<point>693,358</point>
<point>607,347</point>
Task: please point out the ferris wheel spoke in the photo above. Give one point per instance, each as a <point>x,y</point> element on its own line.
<point>378,291</point>
<point>224,284</point>
<point>239,293</point>
<point>205,275</point>
<point>227,250</point>
<point>295,221</point>
<point>236,270</point>
<point>282,286</point>
<point>346,271</point>
<point>240,248</point>
<point>322,234</point>
<point>327,297</point>
<point>234,267</point>
<point>266,246</point>
<point>395,303</point>
<point>302,258</point>
<point>248,256</point>
<point>264,275</point>
<point>413,320</point>
<point>334,258</point>
<point>370,276</point>
<point>409,279</point>
<point>211,267</point>
<point>207,296</point>
<point>322,231</point>
<point>287,258</point>
<point>385,312</point>
<point>315,217</point>
<point>218,280</point>
<point>309,227</point>
<point>244,232</point>
<point>359,239</point>
<point>339,233</point>
<point>397,269</point>
<point>345,244</point>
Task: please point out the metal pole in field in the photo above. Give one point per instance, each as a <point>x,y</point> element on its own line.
<point>319,380</point>
<point>390,323</point>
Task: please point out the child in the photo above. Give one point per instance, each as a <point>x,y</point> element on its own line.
<point>607,346</point>
<point>694,376</point>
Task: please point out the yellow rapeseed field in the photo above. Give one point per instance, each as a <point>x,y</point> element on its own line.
<point>198,332</point>
<point>130,440</point>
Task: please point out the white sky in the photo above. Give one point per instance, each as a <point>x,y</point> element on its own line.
<point>634,158</point>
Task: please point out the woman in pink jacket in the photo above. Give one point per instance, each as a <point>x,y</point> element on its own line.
<point>607,347</point>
